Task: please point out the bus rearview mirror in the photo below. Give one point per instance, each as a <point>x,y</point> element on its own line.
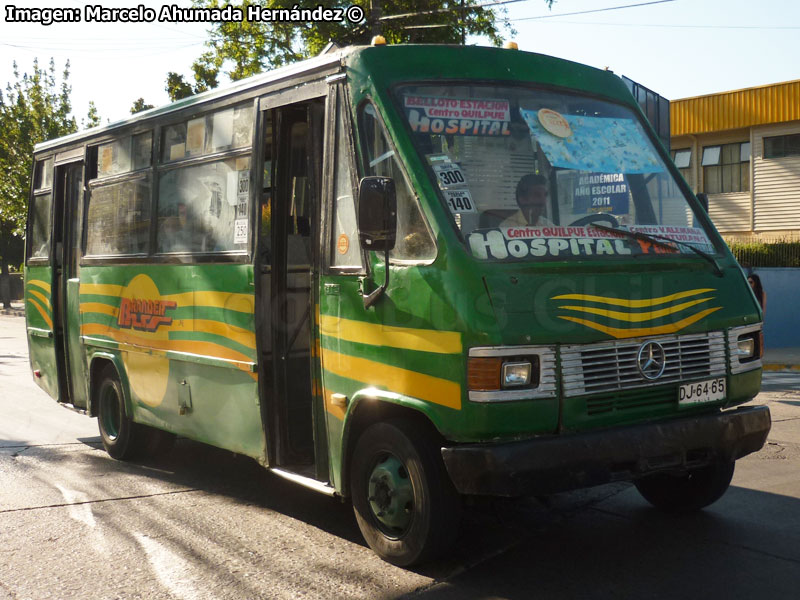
<point>377,213</point>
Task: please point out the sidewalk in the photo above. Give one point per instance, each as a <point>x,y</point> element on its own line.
<point>17,309</point>
<point>782,359</point>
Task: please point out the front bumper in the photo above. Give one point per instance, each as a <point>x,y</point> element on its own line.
<point>563,462</point>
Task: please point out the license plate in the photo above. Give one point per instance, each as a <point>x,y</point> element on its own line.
<point>700,392</point>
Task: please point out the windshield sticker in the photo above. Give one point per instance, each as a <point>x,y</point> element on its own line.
<point>597,144</point>
<point>459,201</point>
<point>554,122</point>
<point>449,175</point>
<point>457,116</point>
<point>601,193</point>
<point>689,235</point>
<point>555,241</point>
<point>240,231</point>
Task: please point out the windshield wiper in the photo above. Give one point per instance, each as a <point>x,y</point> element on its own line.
<point>657,239</point>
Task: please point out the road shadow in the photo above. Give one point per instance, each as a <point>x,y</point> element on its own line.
<point>745,546</point>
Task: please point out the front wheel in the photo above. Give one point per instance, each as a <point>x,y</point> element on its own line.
<point>405,505</point>
<point>687,492</point>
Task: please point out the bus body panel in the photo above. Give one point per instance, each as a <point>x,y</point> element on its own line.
<point>39,318</point>
<point>185,338</point>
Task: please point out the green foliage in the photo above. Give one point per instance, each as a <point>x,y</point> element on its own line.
<point>34,108</point>
<point>177,88</point>
<point>780,253</point>
<point>140,105</point>
<point>244,48</point>
<point>92,117</point>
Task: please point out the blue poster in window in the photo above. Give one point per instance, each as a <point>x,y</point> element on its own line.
<point>601,193</point>
<point>594,144</point>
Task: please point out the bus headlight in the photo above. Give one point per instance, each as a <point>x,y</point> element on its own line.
<point>516,374</point>
<point>746,347</point>
<point>508,373</point>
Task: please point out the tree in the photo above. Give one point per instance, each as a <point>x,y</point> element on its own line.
<point>35,108</point>
<point>140,105</point>
<point>92,117</point>
<point>243,48</point>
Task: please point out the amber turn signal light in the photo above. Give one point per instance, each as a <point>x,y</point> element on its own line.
<point>483,373</point>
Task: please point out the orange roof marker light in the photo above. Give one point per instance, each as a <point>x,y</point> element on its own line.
<point>511,45</point>
<point>378,40</point>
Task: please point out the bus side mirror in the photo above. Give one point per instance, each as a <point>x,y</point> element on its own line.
<point>703,199</point>
<point>377,213</point>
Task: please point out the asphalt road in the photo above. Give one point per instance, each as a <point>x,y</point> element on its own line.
<point>202,523</point>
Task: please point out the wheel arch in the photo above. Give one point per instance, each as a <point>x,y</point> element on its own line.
<point>371,407</point>
<point>97,363</point>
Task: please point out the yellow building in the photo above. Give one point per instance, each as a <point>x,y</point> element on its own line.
<point>742,148</point>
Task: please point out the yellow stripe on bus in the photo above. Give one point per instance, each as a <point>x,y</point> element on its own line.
<point>39,283</point>
<point>400,381</point>
<point>236,334</point>
<point>227,300</point>
<point>99,307</point>
<point>45,300</point>
<point>633,303</point>
<point>101,289</point>
<point>198,348</point>
<point>42,312</point>
<point>425,340</point>
<point>636,317</point>
<point>621,333</point>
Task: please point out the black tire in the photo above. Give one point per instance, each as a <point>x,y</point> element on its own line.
<point>122,438</point>
<point>686,492</point>
<point>406,507</point>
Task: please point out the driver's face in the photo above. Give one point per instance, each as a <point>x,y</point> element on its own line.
<point>532,202</point>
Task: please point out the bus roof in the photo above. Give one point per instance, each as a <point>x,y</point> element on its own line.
<point>283,73</point>
<point>385,65</point>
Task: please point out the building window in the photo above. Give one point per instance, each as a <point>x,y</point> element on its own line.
<point>726,168</point>
<point>780,146</point>
<point>683,160</point>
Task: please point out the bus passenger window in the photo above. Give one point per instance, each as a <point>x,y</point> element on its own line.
<point>299,240</point>
<point>119,217</point>
<point>203,208</point>
<point>414,241</point>
<point>265,233</point>
<point>40,226</point>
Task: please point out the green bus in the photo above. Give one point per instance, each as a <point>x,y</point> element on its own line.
<point>403,275</point>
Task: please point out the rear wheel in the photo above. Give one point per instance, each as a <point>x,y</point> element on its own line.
<point>687,492</point>
<point>122,438</point>
<point>404,502</point>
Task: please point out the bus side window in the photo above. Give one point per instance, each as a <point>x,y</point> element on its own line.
<point>40,226</point>
<point>414,241</point>
<point>203,199</point>
<point>345,249</point>
<point>265,237</point>
<point>39,220</point>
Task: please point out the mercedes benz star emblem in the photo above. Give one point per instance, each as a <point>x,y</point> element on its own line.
<point>651,360</point>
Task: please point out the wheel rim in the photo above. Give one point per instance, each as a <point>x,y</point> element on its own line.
<point>110,412</point>
<point>391,495</point>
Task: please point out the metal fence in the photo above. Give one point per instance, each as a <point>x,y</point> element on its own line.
<point>756,251</point>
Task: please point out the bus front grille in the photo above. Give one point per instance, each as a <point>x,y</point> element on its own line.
<point>612,366</point>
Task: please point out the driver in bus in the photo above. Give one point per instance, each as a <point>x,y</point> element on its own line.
<point>531,196</point>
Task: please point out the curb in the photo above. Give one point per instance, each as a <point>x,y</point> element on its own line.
<point>781,368</point>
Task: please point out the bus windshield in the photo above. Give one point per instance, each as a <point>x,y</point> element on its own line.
<point>534,175</point>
